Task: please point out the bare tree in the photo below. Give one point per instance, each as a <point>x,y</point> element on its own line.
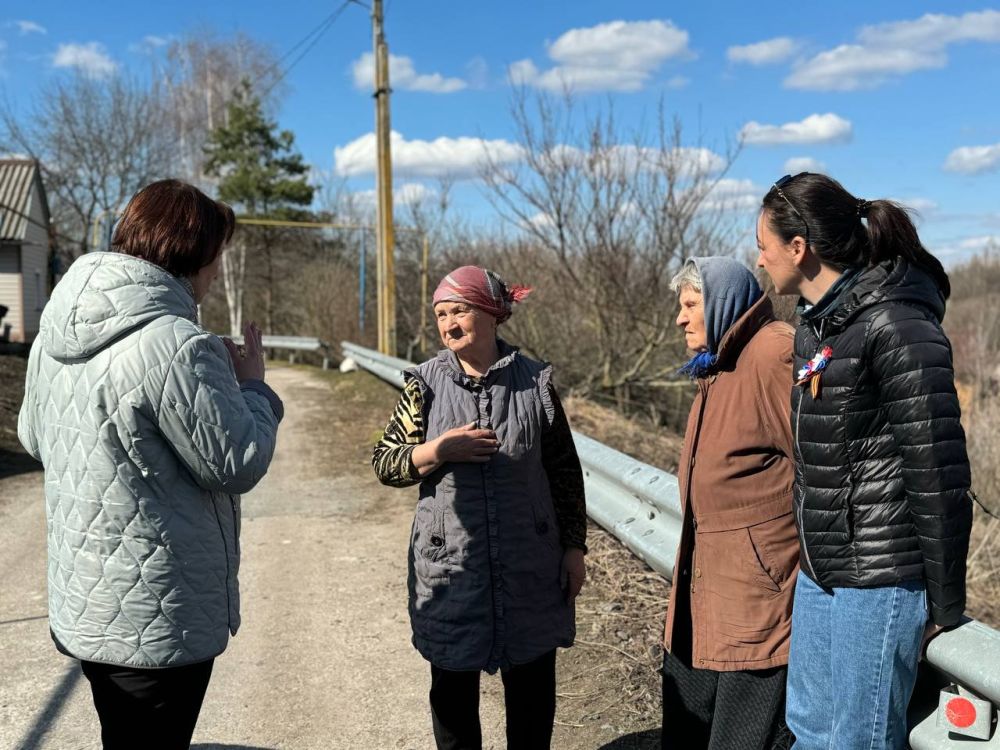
<point>98,141</point>
<point>201,75</point>
<point>605,220</point>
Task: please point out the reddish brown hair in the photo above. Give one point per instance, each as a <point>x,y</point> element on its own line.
<point>175,226</point>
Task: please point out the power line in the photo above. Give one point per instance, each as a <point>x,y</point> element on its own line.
<point>316,34</point>
<point>304,39</point>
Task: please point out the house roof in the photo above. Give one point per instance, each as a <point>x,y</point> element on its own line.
<point>17,178</point>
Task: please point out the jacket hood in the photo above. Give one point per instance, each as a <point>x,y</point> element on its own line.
<point>105,296</point>
<point>890,281</point>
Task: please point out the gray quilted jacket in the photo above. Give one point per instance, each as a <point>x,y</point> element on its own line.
<point>147,441</point>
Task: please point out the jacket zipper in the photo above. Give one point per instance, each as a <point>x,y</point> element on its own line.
<point>236,528</point>
<point>800,509</point>
<point>703,387</point>
<point>225,546</point>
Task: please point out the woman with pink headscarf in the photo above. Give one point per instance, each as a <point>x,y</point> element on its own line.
<point>496,555</point>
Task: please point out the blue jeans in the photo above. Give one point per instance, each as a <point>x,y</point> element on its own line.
<point>853,663</point>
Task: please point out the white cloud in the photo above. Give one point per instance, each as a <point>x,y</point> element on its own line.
<point>828,128</point>
<point>980,243</point>
<point>688,161</point>
<point>957,251</point>
<point>768,52</point>
<point>730,194</point>
<point>28,27</point>
<point>974,159</point>
<point>694,162</point>
<point>455,157</point>
<point>541,221</point>
<point>477,73</point>
<point>887,51</point>
<point>613,56</point>
<point>920,205</point>
<point>406,194</point>
<point>804,164</point>
<point>678,82</point>
<point>403,75</point>
<point>90,58</point>
<point>920,208</point>
<point>149,44</point>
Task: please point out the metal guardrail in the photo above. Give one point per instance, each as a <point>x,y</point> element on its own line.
<point>636,502</point>
<point>390,369</point>
<point>640,505</point>
<point>294,343</point>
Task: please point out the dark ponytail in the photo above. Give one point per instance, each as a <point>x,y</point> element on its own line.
<point>846,231</point>
<point>891,235</point>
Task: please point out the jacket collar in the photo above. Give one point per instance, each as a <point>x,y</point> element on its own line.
<point>739,334</point>
<point>453,367</point>
<point>895,280</point>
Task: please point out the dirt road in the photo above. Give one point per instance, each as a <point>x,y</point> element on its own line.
<point>323,659</point>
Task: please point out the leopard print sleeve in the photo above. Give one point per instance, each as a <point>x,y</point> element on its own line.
<point>392,457</point>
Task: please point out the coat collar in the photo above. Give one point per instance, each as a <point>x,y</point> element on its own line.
<point>739,334</point>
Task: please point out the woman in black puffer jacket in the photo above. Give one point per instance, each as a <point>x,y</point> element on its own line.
<point>882,476</point>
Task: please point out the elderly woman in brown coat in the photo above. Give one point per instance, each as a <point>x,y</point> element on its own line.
<point>729,620</point>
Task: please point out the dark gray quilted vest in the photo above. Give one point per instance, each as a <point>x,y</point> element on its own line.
<point>484,549</point>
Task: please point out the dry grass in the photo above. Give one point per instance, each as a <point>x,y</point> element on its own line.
<point>982,417</point>
<point>612,674</point>
<point>637,438</point>
<point>615,663</point>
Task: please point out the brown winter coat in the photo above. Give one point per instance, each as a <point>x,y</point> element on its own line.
<point>738,556</point>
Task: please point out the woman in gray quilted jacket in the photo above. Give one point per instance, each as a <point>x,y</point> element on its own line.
<point>149,428</point>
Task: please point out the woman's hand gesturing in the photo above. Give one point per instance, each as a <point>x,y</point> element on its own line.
<point>466,444</point>
<point>248,360</point>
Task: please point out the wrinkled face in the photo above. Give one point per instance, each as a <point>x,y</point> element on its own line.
<point>463,327</point>
<point>691,319</point>
<point>777,258</point>
<point>202,281</point>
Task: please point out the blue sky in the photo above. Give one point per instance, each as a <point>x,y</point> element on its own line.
<point>894,99</point>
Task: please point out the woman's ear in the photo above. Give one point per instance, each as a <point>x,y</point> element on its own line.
<point>798,249</point>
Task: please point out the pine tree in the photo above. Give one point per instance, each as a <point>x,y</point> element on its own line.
<point>263,177</point>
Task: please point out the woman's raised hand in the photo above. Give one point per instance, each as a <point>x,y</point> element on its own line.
<point>466,444</point>
<point>248,360</point>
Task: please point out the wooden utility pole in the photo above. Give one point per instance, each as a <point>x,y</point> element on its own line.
<point>385,247</point>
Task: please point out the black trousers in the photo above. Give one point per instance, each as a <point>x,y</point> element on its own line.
<point>707,710</point>
<point>529,692</point>
<point>149,708</point>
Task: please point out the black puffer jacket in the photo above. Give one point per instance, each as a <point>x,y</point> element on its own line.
<point>882,476</point>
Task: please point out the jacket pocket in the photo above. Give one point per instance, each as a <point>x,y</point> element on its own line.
<point>430,539</point>
<point>743,612</point>
<point>776,546</point>
<point>545,526</point>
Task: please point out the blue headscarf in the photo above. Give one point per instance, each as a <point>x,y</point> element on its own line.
<point>728,290</point>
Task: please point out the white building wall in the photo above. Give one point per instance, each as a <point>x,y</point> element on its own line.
<point>34,266</point>
<point>10,289</point>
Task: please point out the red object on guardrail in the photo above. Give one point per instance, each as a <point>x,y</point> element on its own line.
<point>964,714</point>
